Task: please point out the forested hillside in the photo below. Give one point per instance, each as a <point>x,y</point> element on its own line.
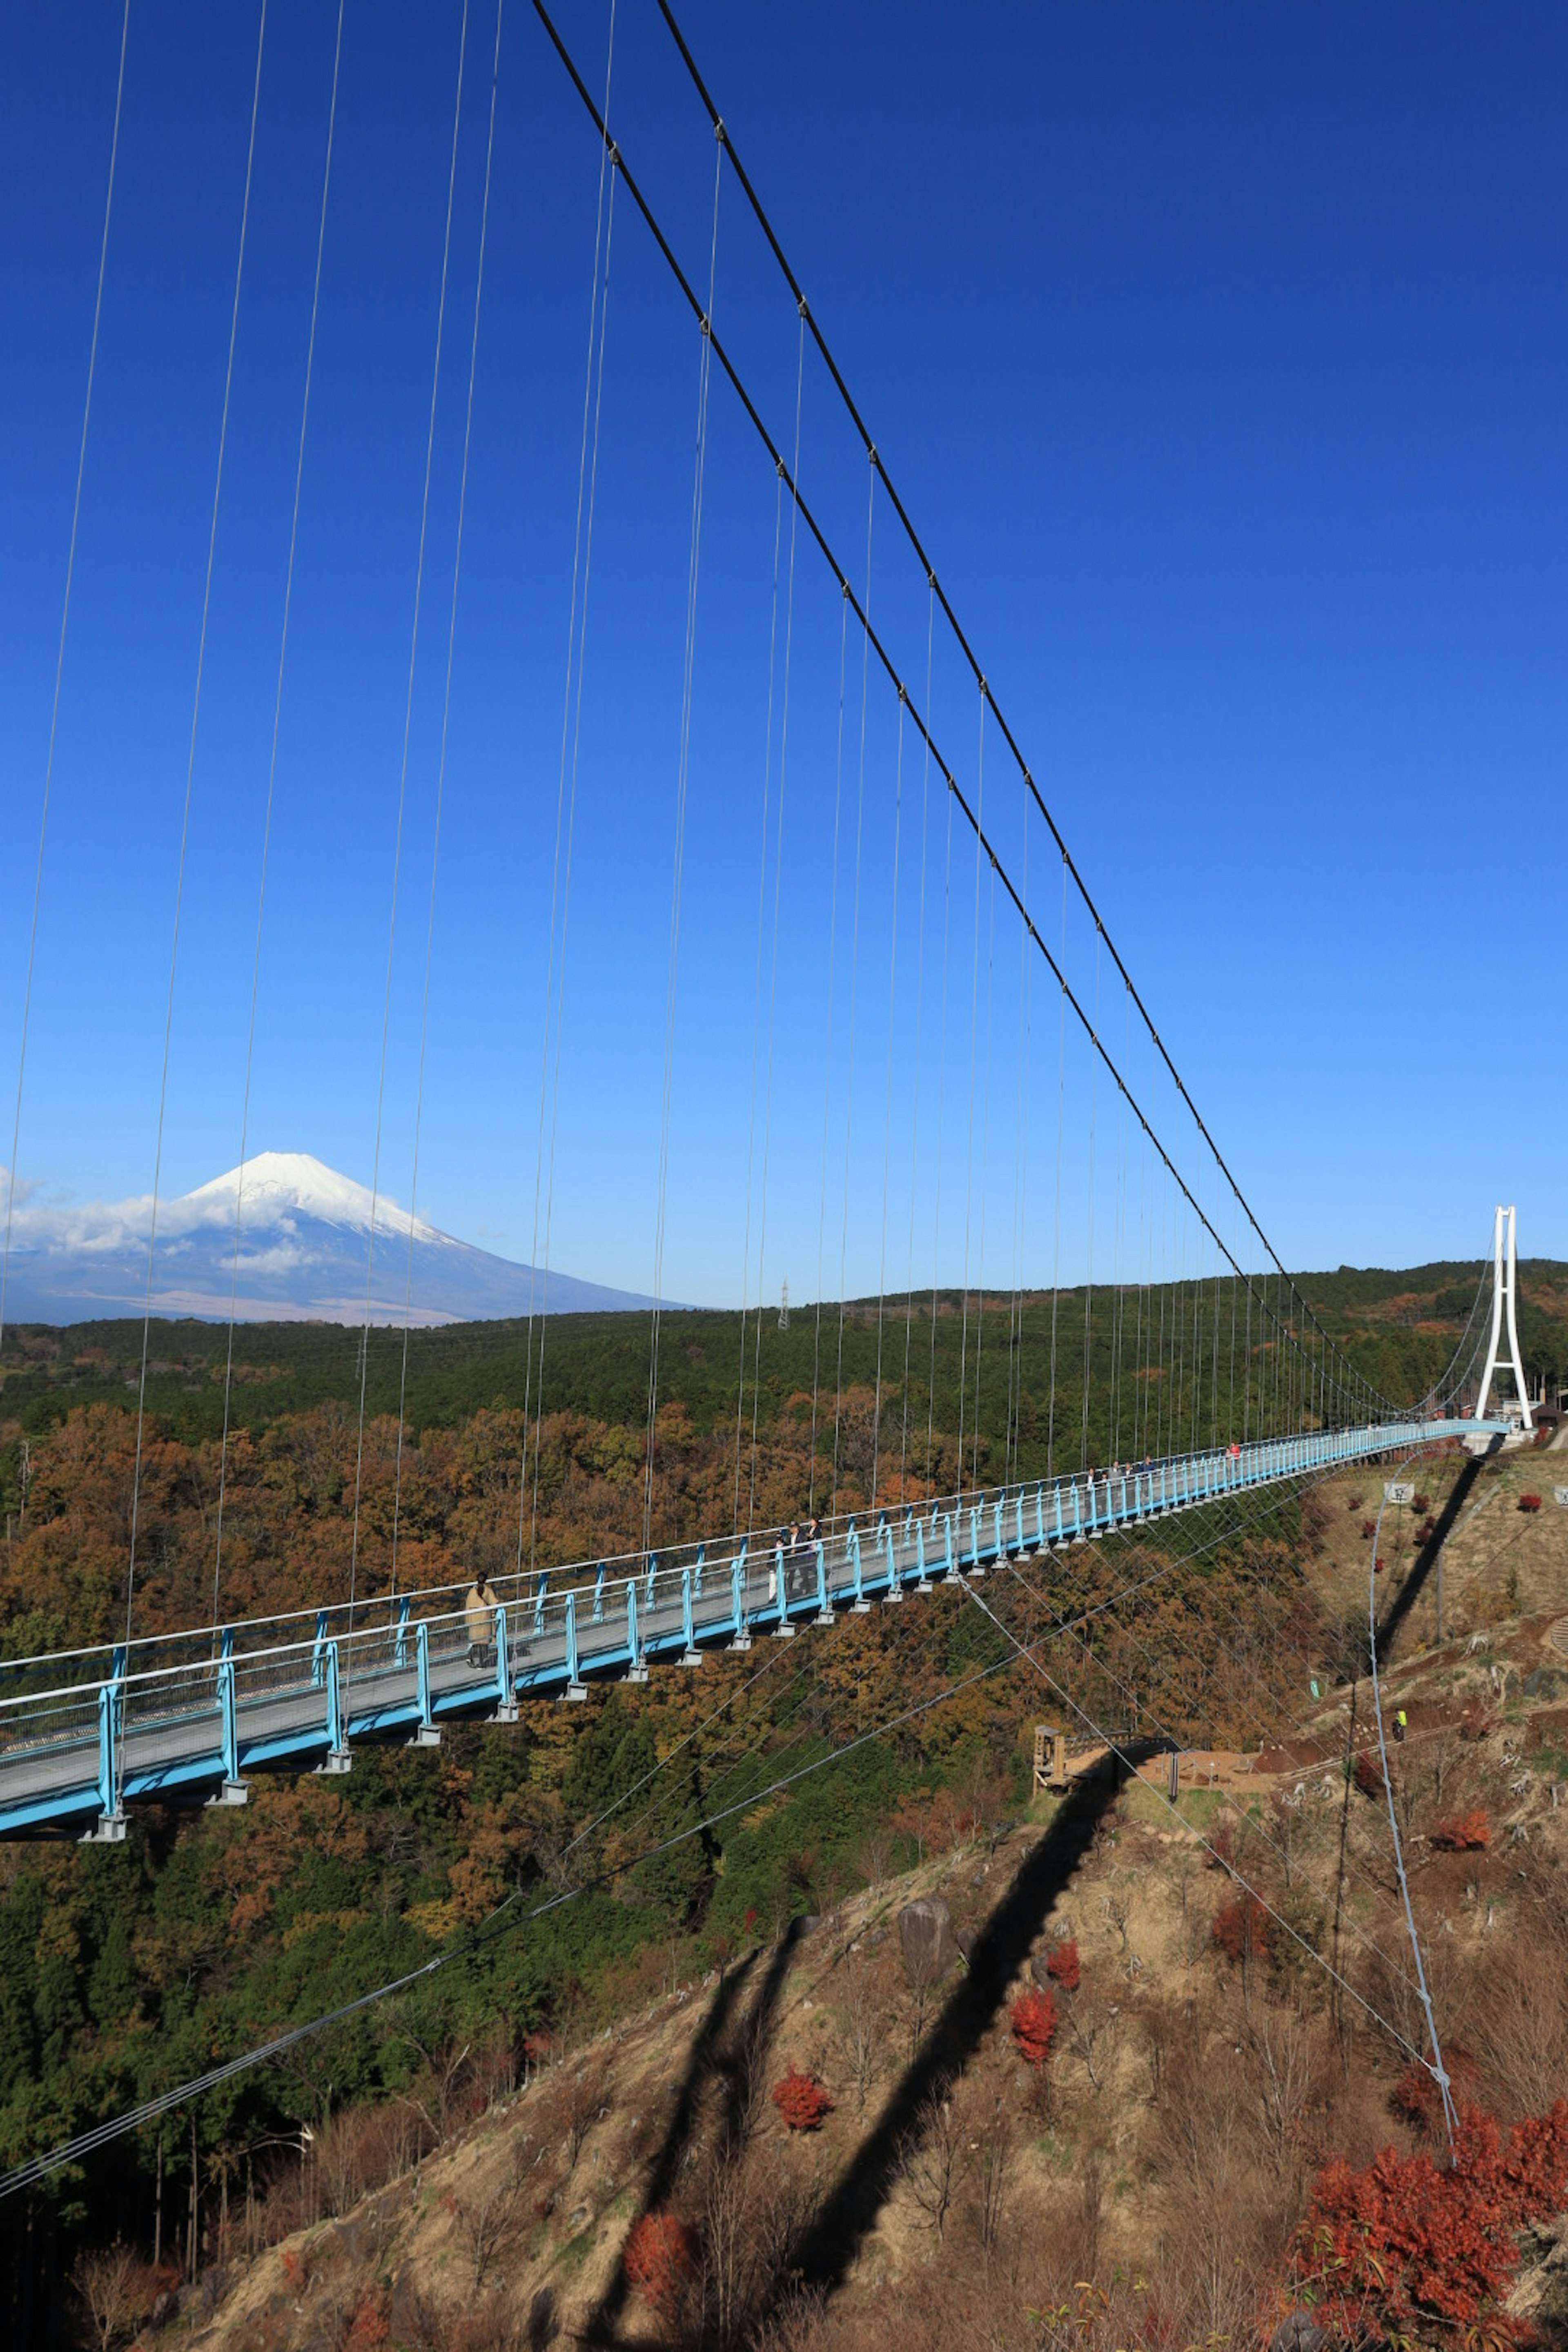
<point>564,1869</point>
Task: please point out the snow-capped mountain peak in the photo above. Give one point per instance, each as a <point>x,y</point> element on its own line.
<point>282,1183</point>
<point>304,1250</point>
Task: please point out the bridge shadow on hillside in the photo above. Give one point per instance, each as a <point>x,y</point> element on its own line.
<point>835,2238</point>
<point>729,2044</point>
<point>1425,1559</point>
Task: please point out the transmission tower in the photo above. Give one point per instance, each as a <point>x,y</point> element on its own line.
<point>784,1306</point>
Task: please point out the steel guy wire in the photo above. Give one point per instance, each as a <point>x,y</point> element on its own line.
<point>1437,2069</point>
<point>266,819</point>
<point>704,377</point>
<point>941,1111</point>
<point>186,829</point>
<point>440,792</point>
<point>778,881</point>
<point>828,1036</point>
<point>915,1108</point>
<point>10,1172</point>
<point>888,1100</point>
<point>1057,1241</point>
<point>757,998</point>
<point>854,978</point>
<point>402,801</point>
<point>984,1154</point>
<point>555,1042</point>
<point>969,1144</point>
<point>566,807</point>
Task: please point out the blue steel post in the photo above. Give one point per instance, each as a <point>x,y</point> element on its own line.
<point>824,1614</point>
<point>107,1724</point>
<point>575,1687</point>
<point>422,1660</point>
<point>336,1743</point>
<point>504,1701</point>
<point>638,1671</point>
<point>742,1637</point>
<point>739,1575</point>
<point>228,1721</point>
<point>318,1651</point>
<point>400,1648</point>
<point>599,1595</point>
<point>692,1655</point>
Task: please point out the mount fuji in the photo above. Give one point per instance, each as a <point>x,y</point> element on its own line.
<point>304,1239</point>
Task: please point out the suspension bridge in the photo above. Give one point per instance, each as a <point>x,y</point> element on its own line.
<point>1209,1376</point>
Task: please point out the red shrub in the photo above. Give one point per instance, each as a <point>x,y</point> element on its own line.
<point>1463,1832</point>
<point>1033,2018</point>
<point>1355,1502</point>
<point>1062,1965</point>
<point>1377,1565</point>
<point>1368,1527</point>
<point>1406,2247</point>
<point>801,2101</point>
<point>1241,1929</point>
<point>659,2257</point>
<point>1421,1505</point>
<point>1529,1502</point>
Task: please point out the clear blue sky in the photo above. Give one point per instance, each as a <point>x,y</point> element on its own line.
<point>1218,353</point>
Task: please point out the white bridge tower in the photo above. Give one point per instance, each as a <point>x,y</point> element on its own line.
<point>1504,1283</point>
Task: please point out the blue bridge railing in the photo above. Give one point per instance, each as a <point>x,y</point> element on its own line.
<point>85,1732</point>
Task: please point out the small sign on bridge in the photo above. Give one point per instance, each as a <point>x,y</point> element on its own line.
<point>1398,1490</point>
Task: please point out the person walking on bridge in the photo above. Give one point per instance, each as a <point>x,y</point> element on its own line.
<point>479,1610</point>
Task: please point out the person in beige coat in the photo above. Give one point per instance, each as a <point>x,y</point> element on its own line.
<point>479,1610</point>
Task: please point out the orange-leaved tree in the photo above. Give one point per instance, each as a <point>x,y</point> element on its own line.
<point>801,2100</point>
<point>660,2256</point>
<point>1033,2018</point>
<point>1062,1965</point>
<point>1407,2244</point>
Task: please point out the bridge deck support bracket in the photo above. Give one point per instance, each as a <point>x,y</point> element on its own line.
<point>334,1764</point>
<point>423,1734</point>
<point>229,1793</point>
<point>107,1830</point>
<point>575,1693</point>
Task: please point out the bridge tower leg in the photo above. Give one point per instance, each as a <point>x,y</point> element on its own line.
<point>1504,1285</point>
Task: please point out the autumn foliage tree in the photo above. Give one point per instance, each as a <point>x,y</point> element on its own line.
<point>1406,2245</point>
<point>660,2258</point>
<point>1062,1965</point>
<point>1463,1832</point>
<point>1033,2018</point>
<point>802,2101</point>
